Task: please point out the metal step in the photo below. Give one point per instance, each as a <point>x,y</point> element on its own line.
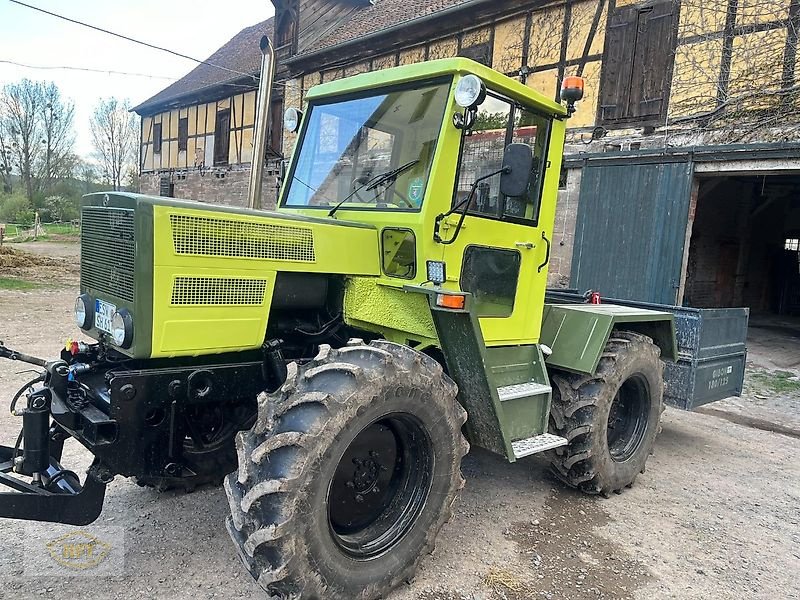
<point>537,443</point>
<point>522,390</point>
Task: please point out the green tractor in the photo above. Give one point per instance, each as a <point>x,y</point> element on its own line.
<point>333,360</point>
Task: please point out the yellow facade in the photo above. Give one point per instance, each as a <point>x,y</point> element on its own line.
<point>547,27</point>
<point>695,78</point>
<point>412,56</point>
<point>446,48</point>
<point>509,40</point>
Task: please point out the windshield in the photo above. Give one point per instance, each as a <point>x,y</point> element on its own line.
<point>373,152</point>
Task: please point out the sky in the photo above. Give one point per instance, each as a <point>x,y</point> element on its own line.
<point>195,28</point>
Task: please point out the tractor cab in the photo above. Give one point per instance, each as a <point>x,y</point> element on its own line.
<point>455,164</point>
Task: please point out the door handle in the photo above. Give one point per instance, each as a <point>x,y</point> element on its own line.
<point>527,245</point>
<point>546,256</point>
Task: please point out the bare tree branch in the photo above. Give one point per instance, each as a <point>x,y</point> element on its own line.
<point>115,137</point>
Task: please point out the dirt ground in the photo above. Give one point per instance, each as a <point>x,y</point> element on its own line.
<point>716,515</point>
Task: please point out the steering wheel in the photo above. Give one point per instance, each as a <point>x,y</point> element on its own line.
<point>358,187</point>
<point>402,197</point>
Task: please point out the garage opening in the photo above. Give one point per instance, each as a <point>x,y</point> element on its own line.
<point>745,244</point>
<point>745,251</point>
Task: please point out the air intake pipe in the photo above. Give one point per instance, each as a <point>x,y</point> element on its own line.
<point>262,122</point>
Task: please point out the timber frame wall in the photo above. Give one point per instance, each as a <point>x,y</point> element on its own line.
<point>694,57</point>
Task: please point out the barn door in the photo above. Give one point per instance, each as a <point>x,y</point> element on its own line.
<point>631,229</point>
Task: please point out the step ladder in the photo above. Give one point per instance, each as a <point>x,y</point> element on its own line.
<point>537,443</point>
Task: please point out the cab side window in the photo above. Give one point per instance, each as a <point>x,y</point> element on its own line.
<point>499,123</point>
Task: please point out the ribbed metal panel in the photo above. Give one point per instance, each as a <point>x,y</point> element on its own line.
<point>108,250</point>
<point>631,229</point>
<point>218,291</point>
<point>205,236</point>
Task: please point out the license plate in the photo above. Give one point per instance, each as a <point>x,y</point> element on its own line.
<point>103,312</point>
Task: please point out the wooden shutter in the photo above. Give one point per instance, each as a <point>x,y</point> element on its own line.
<point>618,63</point>
<point>157,138</point>
<point>275,128</point>
<point>636,63</point>
<point>183,133</point>
<point>222,137</point>
<point>651,63</point>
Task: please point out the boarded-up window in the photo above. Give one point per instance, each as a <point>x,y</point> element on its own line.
<point>222,137</point>
<point>183,133</point>
<point>156,138</point>
<point>637,61</point>
<point>481,53</point>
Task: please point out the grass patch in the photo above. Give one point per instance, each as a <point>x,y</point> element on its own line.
<point>60,229</point>
<point>779,382</point>
<point>8,283</point>
<point>58,232</point>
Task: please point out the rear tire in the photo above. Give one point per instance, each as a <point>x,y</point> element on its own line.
<point>348,474</point>
<point>611,418</point>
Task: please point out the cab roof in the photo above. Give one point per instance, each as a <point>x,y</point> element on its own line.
<point>426,70</point>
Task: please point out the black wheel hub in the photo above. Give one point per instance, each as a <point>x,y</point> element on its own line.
<point>208,426</point>
<point>380,486</point>
<point>628,417</point>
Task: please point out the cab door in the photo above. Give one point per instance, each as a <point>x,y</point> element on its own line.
<point>501,252</point>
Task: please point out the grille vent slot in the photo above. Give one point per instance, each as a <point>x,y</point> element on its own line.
<point>108,250</point>
<point>204,236</point>
<point>218,291</point>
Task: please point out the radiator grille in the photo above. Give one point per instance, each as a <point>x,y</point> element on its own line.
<point>219,291</point>
<point>108,249</point>
<point>223,237</point>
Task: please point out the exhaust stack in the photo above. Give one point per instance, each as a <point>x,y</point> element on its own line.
<point>262,122</point>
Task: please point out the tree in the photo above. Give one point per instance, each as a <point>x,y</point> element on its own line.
<point>36,135</point>
<point>115,138</point>
<point>58,160</point>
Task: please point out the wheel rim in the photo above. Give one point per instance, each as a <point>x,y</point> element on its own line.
<point>627,419</point>
<point>208,427</point>
<point>380,486</point>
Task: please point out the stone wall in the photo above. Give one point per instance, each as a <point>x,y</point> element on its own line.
<point>216,186</point>
<point>564,231</point>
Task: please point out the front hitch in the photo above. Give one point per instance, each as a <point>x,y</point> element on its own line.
<point>57,497</point>
<point>52,493</point>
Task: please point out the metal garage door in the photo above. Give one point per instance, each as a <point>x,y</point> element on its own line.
<point>630,230</point>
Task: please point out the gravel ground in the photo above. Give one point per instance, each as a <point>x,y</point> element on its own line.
<point>716,515</point>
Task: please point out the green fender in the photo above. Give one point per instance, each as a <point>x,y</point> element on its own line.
<point>577,333</point>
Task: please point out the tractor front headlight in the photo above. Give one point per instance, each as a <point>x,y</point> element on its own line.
<point>470,91</point>
<point>84,312</point>
<point>122,328</point>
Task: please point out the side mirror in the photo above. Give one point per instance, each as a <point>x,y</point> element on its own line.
<point>517,167</point>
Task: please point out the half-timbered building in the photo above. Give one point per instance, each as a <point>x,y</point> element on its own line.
<point>681,179</point>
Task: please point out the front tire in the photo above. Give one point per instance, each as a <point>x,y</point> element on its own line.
<point>348,474</point>
<point>611,418</point>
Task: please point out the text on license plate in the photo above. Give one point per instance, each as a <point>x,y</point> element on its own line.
<point>103,313</point>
